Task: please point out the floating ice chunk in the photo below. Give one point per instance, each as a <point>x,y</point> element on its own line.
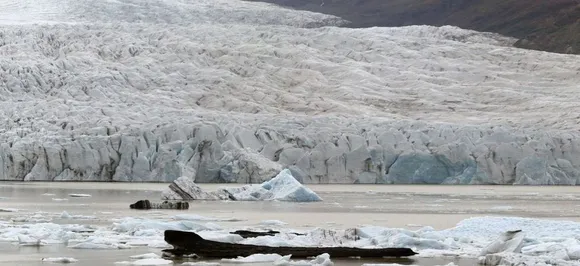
<point>510,241</point>
<point>414,225</point>
<point>256,258</point>
<point>221,236</point>
<point>145,256</point>
<point>29,241</point>
<point>320,260</point>
<point>194,217</point>
<point>146,262</point>
<point>573,252</point>
<point>48,194</point>
<point>8,210</point>
<point>60,260</point>
<point>272,223</point>
<point>57,199</point>
<point>201,263</point>
<point>135,225</point>
<point>283,187</point>
<point>66,215</point>
<point>508,258</point>
<point>77,195</point>
<point>95,242</point>
<point>551,249</point>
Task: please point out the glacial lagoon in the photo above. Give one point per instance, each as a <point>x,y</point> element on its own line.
<point>343,206</point>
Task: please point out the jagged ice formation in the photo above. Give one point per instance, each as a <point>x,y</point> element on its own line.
<point>231,91</point>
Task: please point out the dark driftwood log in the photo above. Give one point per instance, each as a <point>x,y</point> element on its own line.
<point>252,234</point>
<point>147,205</point>
<point>188,243</point>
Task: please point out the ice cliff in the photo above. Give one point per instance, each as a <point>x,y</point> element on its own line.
<point>231,91</point>
<point>348,152</point>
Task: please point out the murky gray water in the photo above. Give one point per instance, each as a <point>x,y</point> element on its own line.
<point>343,206</point>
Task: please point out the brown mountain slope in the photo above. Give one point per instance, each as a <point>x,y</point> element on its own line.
<point>549,25</point>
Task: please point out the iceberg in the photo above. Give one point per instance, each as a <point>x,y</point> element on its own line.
<point>283,187</point>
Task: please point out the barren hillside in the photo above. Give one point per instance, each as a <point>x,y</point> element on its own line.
<point>549,25</point>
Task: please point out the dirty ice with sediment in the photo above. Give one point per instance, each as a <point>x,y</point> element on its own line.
<point>233,91</point>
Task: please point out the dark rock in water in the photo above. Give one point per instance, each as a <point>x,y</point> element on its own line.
<point>147,205</point>
<point>141,205</point>
<point>189,243</point>
<point>252,234</point>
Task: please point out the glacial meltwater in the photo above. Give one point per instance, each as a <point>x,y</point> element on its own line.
<point>102,209</point>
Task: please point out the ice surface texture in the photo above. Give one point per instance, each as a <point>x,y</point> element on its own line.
<point>546,242</point>
<point>230,91</point>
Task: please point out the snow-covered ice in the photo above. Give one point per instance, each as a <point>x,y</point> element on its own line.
<point>235,91</point>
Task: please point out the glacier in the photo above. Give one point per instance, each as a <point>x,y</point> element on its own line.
<point>229,91</point>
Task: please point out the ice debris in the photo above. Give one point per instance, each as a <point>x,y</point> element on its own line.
<point>60,260</point>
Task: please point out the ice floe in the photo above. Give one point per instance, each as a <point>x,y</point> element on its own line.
<point>146,262</point>
<point>255,258</point>
<point>77,195</point>
<point>60,259</point>
<point>493,240</point>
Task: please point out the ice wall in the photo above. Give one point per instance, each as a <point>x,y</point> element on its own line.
<point>233,91</point>
<point>316,151</point>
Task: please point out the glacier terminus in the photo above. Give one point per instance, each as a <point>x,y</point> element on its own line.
<point>235,92</point>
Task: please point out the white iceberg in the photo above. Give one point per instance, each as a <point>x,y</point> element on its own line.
<point>283,187</point>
